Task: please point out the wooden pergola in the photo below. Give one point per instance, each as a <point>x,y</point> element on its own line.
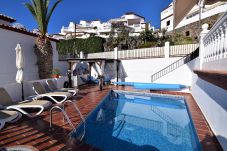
<point>91,62</point>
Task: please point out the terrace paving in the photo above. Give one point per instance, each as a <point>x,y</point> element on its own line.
<point>35,132</point>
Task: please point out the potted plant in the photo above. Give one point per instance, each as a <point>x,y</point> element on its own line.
<point>56,73</point>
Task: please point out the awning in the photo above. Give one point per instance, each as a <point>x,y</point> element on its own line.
<point>183,7</point>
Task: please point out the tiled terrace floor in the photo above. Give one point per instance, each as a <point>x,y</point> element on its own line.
<point>35,132</point>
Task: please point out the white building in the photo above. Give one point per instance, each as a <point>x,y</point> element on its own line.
<point>85,29</point>
<point>193,16</point>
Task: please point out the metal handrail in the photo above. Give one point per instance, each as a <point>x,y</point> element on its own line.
<point>64,114</point>
<point>175,65</point>
<point>80,114</point>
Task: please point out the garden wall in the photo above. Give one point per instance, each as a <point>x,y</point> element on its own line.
<point>8,42</point>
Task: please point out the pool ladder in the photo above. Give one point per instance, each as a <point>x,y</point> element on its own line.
<point>65,116</point>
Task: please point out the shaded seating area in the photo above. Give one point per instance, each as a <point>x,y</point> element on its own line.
<point>21,106</point>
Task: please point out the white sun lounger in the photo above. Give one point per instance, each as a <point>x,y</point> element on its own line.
<point>7,103</point>
<point>57,97</point>
<point>54,88</point>
<point>8,117</point>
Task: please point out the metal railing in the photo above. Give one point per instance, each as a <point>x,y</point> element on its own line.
<point>81,116</point>
<point>175,65</point>
<point>65,116</point>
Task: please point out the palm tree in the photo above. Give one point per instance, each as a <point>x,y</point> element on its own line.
<point>41,12</point>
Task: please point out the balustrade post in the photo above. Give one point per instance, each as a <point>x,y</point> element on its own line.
<point>81,55</point>
<point>115,53</point>
<point>201,44</point>
<point>225,39</point>
<point>167,49</point>
<point>222,42</point>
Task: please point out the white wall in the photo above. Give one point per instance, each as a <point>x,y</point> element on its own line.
<point>62,65</point>
<point>167,12</point>
<point>164,23</point>
<point>220,64</point>
<point>212,100</point>
<point>140,70</point>
<point>182,75</point>
<point>4,22</point>
<point>206,14</point>
<point>8,42</point>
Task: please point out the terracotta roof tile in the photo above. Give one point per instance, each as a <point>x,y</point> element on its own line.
<point>23,31</point>
<point>7,18</point>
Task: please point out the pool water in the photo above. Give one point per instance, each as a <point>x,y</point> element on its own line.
<point>130,121</point>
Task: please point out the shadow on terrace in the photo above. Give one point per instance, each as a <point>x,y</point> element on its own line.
<point>35,132</point>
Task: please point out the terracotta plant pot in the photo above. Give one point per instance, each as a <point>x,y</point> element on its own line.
<point>55,76</point>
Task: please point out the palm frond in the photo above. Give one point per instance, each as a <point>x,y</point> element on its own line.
<point>51,11</point>
<point>40,11</point>
<point>31,9</point>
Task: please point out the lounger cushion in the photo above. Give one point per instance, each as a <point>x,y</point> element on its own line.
<point>5,99</point>
<point>8,116</point>
<point>39,88</point>
<point>67,94</point>
<point>43,103</point>
<point>51,85</point>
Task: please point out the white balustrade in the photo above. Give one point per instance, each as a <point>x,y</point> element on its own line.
<point>182,50</point>
<point>146,52</point>
<point>215,42</point>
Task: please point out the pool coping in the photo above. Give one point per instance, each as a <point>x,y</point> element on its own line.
<point>207,139</point>
<point>206,136</point>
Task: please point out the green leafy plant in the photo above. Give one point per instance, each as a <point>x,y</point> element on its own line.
<point>74,46</point>
<point>56,71</point>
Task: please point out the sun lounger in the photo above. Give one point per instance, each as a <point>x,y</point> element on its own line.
<point>57,97</point>
<point>7,103</point>
<point>8,117</point>
<point>54,88</point>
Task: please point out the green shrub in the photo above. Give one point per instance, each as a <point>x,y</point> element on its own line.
<point>148,44</point>
<point>56,71</point>
<point>74,46</point>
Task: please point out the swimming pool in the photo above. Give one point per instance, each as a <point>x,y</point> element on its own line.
<point>131,121</point>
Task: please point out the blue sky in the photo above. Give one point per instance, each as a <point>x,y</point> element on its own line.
<point>76,10</point>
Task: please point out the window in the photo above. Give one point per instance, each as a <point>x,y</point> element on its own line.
<point>168,23</point>
<point>187,33</point>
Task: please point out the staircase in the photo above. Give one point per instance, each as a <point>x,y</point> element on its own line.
<point>175,65</point>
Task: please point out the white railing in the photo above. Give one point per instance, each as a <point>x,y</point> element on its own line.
<point>141,53</point>
<point>108,55</point>
<point>182,50</point>
<point>178,50</point>
<point>130,54</point>
<point>215,42</point>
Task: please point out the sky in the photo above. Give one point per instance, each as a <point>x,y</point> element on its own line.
<point>76,10</point>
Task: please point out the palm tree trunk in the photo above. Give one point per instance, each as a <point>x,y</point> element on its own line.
<point>44,53</point>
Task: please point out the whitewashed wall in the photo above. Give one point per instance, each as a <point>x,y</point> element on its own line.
<point>8,42</point>
<point>182,75</point>
<point>140,70</point>
<point>212,100</point>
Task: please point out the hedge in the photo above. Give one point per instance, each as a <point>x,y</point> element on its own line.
<point>89,45</point>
